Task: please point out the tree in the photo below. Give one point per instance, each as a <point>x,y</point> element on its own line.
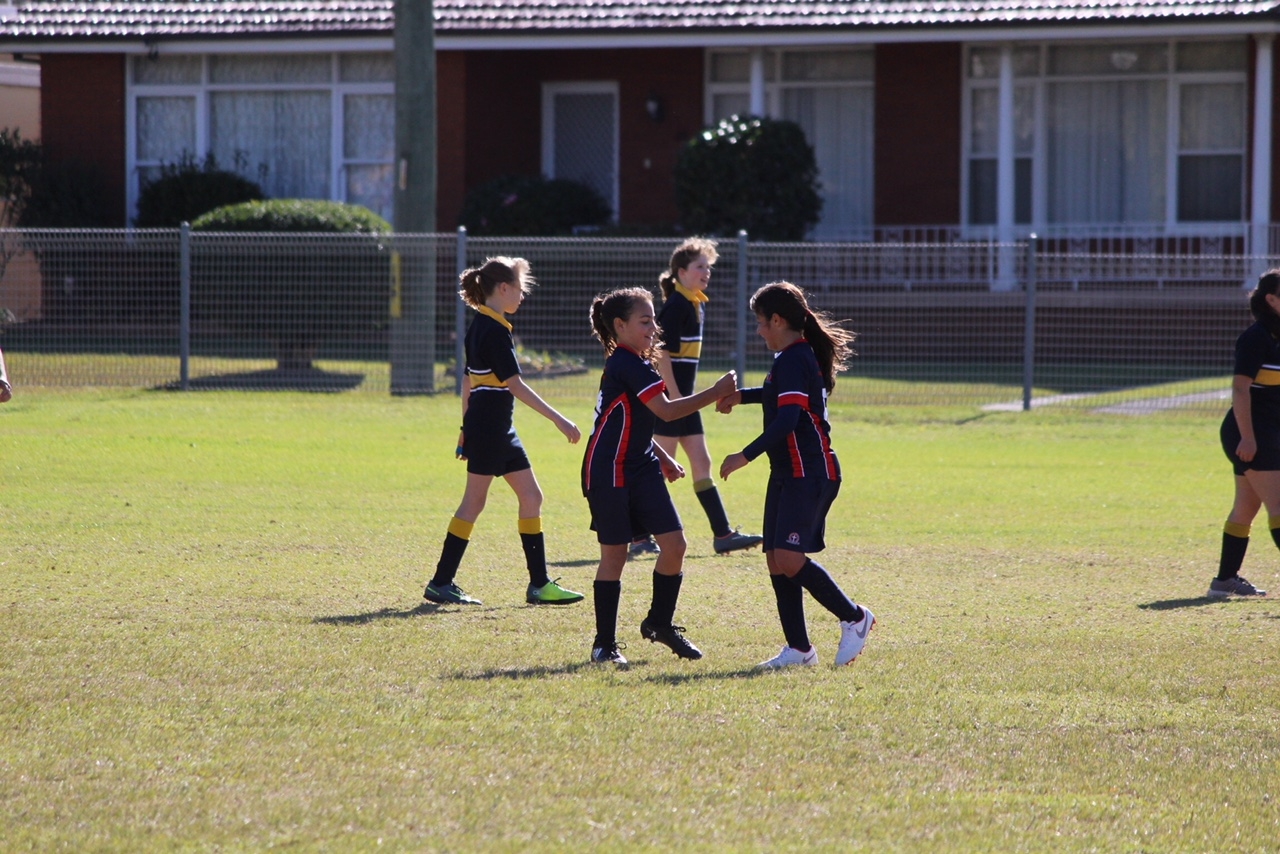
<point>751,173</point>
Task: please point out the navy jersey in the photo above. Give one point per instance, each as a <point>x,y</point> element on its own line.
<point>491,361</point>
<point>681,322</point>
<point>805,449</point>
<point>621,442</point>
<point>1258,356</point>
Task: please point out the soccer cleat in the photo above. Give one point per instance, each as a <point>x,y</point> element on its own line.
<point>1221,588</point>
<point>608,654</point>
<point>448,594</point>
<point>647,546</point>
<point>670,636</point>
<point>551,593</point>
<point>790,657</point>
<point>736,540</point>
<point>853,637</point>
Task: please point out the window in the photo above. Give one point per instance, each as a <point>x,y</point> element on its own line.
<point>1107,134</point>
<point>830,94</point>
<point>580,136</point>
<point>301,125</point>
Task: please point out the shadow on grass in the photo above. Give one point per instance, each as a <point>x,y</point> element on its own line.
<point>682,678</point>
<point>274,379</point>
<point>1175,604</point>
<point>574,563</point>
<point>394,614</point>
<point>535,672</point>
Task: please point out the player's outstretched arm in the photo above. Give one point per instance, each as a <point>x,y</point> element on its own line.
<point>534,401</point>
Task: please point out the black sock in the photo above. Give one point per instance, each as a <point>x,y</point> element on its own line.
<point>535,558</point>
<point>450,558</point>
<point>666,590</point>
<point>607,595</point>
<point>823,588</point>
<point>1233,549</point>
<point>791,612</point>
<point>709,498</point>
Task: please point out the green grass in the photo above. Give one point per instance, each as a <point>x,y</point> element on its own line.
<point>212,638</point>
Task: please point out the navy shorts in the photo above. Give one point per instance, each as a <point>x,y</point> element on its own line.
<point>620,514</point>
<point>497,457</point>
<point>1267,458</point>
<point>690,425</point>
<point>795,513</point>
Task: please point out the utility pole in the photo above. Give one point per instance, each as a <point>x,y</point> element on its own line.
<point>413,309</point>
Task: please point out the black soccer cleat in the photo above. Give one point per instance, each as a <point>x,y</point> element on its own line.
<point>670,636</point>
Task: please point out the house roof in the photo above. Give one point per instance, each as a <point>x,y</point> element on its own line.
<point>132,19</point>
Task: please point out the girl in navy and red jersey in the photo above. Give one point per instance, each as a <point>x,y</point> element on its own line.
<point>1250,437</point>
<point>489,442</point>
<point>804,473</point>
<point>623,470</point>
<point>684,292</point>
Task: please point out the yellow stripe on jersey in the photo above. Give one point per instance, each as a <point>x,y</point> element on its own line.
<point>485,379</point>
<point>688,350</point>
<point>1268,375</point>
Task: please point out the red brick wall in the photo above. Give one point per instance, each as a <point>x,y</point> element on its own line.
<point>451,136</point>
<point>82,110</point>
<point>504,118</point>
<point>917,136</point>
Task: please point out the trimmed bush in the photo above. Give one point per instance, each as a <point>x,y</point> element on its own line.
<point>530,205</point>
<point>750,173</point>
<point>299,292</point>
<point>185,190</point>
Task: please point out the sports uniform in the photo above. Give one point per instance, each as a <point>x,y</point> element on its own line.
<point>681,321</point>
<point>804,473</point>
<point>1258,356</point>
<point>489,435</point>
<point>621,477</point>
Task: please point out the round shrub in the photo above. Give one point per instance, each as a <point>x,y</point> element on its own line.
<point>530,205</point>
<point>750,173</point>
<point>185,190</point>
<point>293,216</point>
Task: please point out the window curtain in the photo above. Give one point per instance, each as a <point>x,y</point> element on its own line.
<point>838,123</point>
<point>279,139</point>
<point>1106,151</point>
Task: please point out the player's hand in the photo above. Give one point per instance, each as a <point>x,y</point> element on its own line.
<point>6,392</point>
<point>732,463</point>
<point>570,430</point>
<point>458,451</point>
<point>727,384</point>
<point>1247,449</point>
<point>726,404</point>
<point>671,470</point>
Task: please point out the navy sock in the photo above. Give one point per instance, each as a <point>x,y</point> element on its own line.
<point>450,558</point>
<point>791,612</point>
<point>709,498</point>
<point>666,590</point>
<point>1233,549</point>
<point>607,596</point>
<point>823,588</point>
<point>535,558</point>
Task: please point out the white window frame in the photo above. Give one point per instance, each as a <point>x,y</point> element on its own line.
<point>581,87</point>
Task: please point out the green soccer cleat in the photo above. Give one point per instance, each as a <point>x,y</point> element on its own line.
<point>551,593</point>
<point>448,594</point>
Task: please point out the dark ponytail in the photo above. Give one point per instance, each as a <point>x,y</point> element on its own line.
<point>1268,284</point>
<point>617,305</point>
<point>830,342</point>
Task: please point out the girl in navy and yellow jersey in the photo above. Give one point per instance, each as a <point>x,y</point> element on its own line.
<point>804,474</point>
<point>684,291</point>
<point>1251,436</point>
<point>623,470</point>
<point>489,442</point>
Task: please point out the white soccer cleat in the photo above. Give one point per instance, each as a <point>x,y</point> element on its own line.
<point>853,637</point>
<point>790,657</point>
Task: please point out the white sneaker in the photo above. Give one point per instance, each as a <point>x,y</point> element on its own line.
<point>853,637</point>
<point>789,657</point>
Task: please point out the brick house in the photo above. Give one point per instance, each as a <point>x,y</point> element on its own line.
<point>1073,117</point>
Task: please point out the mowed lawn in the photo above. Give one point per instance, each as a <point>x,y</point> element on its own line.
<point>212,637</point>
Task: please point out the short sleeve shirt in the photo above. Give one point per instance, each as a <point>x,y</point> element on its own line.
<point>796,380</point>
<point>491,362</point>
<point>622,436</point>
<point>681,323</point>
<point>1258,356</point>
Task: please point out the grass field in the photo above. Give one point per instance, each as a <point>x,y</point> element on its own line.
<point>212,637</point>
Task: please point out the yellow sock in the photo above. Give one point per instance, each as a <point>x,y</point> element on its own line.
<point>460,528</point>
<point>532,525</point>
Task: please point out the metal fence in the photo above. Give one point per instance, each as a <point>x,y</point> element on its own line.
<point>954,322</point>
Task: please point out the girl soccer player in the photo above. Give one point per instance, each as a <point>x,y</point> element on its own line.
<point>684,290</point>
<point>804,474</point>
<point>489,442</point>
<point>623,470</point>
<point>1250,437</point>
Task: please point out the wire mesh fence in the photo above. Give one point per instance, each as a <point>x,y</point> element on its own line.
<point>957,322</point>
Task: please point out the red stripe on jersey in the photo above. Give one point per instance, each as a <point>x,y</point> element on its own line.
<point>794,398</point>
<point>828,458</point>
<point>624,439</point>
<point>649,392</point>
<point>793,448</point>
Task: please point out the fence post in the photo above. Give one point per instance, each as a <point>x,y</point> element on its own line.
<point>740,314</point>
<point>1029,330</point>
<point>184,306</point>
<point>460,318</point>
